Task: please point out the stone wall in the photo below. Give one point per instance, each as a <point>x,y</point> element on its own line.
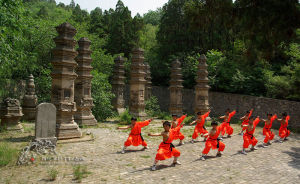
<point>219,102</point>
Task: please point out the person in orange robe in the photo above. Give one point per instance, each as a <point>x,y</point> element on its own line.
<point>213,141</point>
<point>284,132</point>
<point>249,134</point>
<point>200,128</point>
<point>269,135</point>
<point>245,120</point>
<point>166,149</point>
<point>225,126</point>
<point>135,137</point>
<point>175,123</point>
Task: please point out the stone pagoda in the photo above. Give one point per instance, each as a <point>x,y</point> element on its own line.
<point>201,88</point>
<point>83,96</point>
<point>148,88</point>
<point>137,84</point>
<point>118,84</point>
<point>29,101</point>
<point>63,77</point>
<point>11,114</point>
<point>176,89</point>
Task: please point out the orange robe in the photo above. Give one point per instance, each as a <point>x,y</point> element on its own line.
<point>166,149</point>
<point>225,126</point>
<point>200,128</point>
<point>135,137</point>
<point>178,134</point>
<point>212,142</point>
<point>249,137</point>
<point>283,130</point>
<point>267,130</point>
<point>246,121</point>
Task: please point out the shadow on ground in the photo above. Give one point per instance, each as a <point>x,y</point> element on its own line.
<point>295,154</point>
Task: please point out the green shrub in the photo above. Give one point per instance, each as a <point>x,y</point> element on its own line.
<point>8,154</point>
<point>52,174</point>
<point>102,95</point>
<point>188,120</point>
<point>80,172</point>
<point>125,117</point>
<point>164,116</point>
<point>152,108</point>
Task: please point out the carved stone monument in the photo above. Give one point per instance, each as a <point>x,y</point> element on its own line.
<point>148,89</point>
<point>45,123</point>
<point>118,84</point>
<point>83,96</point>
<point>201,88</point>
<point>137,84</point>
<point>63,77</point>
<point>11,114</point>
<point>176,89</point>
<point>29,101</point>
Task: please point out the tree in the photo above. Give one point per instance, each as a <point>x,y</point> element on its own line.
<point>265,25</point>
<point>79,15</point>
<point>120,23</point>
<point>72,4</point>
<point>153,17</point>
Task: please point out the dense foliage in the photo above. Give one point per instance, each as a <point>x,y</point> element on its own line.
<point>27,29</point>
<point>252,46</point>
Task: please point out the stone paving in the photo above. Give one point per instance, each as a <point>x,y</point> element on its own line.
<point>279,163</point>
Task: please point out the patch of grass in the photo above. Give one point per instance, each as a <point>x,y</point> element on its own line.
<point>28,128</point>
<point>3,128</point>
<point>52,174</point>
<point>145,156</point>
<point>80,172</point>
<point>8,154</point>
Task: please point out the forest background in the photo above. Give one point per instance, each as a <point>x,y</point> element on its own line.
<point>252,46</point>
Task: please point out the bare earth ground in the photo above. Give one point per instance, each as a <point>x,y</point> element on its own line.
<point>279,163</point>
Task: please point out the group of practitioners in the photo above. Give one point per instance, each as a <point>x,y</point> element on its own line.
<point>212,138</point>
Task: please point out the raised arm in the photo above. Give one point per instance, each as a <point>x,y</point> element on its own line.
<point>287,118</point>
<point>145,123</point>
<point>206,114</point>
<point>256,121</point>
<point>250,113</point>
<point>231,115</point>
<point>180,120</point>
<point>273,118</point>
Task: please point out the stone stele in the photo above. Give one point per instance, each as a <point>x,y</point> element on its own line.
<point>45,124</point>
